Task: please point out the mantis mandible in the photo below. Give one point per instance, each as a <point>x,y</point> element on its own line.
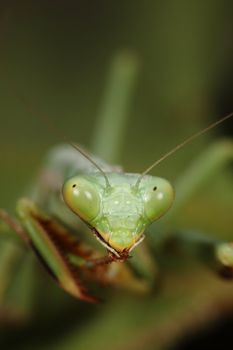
<point>117,207</point>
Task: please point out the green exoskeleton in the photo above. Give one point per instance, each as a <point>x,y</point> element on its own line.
<point>117,207</point>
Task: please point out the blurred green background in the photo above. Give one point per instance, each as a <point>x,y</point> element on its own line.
<point>54,66</point>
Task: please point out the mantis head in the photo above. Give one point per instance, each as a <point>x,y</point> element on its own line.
<point>119,213</point>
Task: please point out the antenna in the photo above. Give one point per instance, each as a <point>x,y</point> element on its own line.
<point>92,161</point>
<point>181,145</point>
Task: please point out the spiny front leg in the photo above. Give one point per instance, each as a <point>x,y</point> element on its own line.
<point>52,243</point>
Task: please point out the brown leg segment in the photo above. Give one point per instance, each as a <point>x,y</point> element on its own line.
<point>105,260</point>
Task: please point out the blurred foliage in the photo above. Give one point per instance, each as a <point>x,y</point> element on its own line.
<point>55,58</point>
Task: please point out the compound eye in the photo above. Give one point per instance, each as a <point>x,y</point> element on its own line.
<point>82,198</point>
<point>158,198</point>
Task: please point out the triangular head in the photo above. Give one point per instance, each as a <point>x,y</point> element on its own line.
<point>119,212</point>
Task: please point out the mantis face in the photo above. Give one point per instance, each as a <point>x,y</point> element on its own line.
<point>118,214</point>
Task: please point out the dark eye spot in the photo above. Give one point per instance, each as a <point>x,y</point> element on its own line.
<point>154,188</point>
<point>74,185</point>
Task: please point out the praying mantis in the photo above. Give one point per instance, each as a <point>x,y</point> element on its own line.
<point>76,192</point>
